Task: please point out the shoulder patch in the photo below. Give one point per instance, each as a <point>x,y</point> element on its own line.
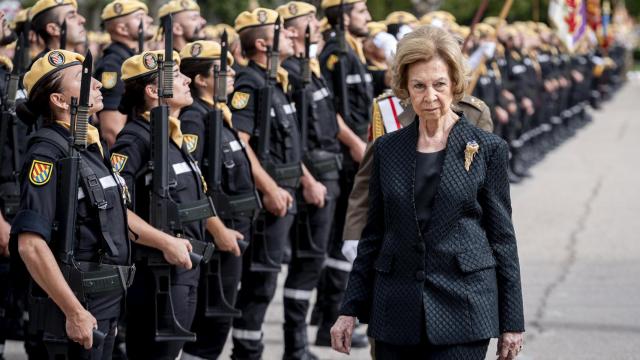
<point>109,79</point>
<point>192,142</point>
<point>40,172</point>
<point>118,161</point>
<point>240,100</point>
<point>331,61</point>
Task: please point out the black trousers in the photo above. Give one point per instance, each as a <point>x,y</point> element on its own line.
<point>257,290</point>
<point>212,332</point>
<point>426,351</point>
<point>304,271</point>
<point>140,337</point>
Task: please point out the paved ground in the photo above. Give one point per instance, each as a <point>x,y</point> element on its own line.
<point>579,244</point>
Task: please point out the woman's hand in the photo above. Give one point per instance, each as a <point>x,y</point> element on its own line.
<point>509,345</point>
<point>341,333</point>
<point>79,326</point>
<point>176,252</point>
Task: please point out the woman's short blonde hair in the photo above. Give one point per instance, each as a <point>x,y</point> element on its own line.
<point>424,44</point>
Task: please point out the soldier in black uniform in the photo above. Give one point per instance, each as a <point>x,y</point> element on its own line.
<point>320,187</point>
<point>56,12</point>
<point>188,24</point>
<point>334,277</point>
<point>130,158</point>
<point>101,249</point>
<point>236,184</point>
<point>121,19</point>
<point>277,177</point>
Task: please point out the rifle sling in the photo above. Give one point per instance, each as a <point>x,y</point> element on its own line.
<point>91,185</point>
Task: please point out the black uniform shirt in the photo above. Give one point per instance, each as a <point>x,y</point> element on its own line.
<point>322,123</point>
<point>39,201</point>
<point>284,143</point>
<point>236,175</point>
<point>108,72</point>
<point>130,156</point>
<point>358,81</point>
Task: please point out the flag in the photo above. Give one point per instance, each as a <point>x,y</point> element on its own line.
<point>569,18</point>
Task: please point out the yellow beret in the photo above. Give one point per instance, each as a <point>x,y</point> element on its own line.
<point>400,17</point>
<point>257,17</point>
<point>203,49</point>
<point>176,6</point>
<point>331,3</point>
<point>50,63</point>
<point>483,29</point>
<point>376,27</point>
<point>121,8</point>
<point>445,16</point>
<point>43,5</point>
<point>494,21</point>
<point>232,35</point>
<point>295,9</point>
<point>20,17</point>
<point>143,64</point>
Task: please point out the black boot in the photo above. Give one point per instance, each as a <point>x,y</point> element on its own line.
<point>296,345</point>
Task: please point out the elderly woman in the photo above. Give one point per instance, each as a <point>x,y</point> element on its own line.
<point>437,270</point>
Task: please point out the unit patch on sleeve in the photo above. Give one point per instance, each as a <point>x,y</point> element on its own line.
<point>109,79</point>
<point>192,142</point>
<point>240,100</point>
<point>40,172</point>
<point>118,161</point>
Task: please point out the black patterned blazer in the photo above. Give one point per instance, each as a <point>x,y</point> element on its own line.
<point>467,262</point>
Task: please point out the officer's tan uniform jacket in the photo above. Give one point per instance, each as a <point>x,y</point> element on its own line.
<point>476,111</point>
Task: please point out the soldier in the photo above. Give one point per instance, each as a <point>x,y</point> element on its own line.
<point>231,186</point>
<point>130,158</point>
<point>400,23</point>
<point>320,186</point>
<point>57,23</point>
<point>265,118</point>
<point>344,66</point>
<point>122,19</point>
<point>64,259</point>
<point>379,47</point>
<point>188,24</point>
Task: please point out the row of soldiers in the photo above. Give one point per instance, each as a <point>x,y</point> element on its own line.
<point>274,179</point>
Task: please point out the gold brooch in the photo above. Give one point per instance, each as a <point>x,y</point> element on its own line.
<point>469,152</point>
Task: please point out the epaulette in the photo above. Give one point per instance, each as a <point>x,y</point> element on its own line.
<point>6,63</point>
<point>387,93</point>
<point>474,102</point>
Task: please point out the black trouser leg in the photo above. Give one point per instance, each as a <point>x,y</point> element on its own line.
<point>303,276</point>
<point>102,352</point>
<point>140,339</point>
<point>213,332</point>
<point>257,290</point>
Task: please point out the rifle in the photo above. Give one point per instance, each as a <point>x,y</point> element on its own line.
<point>69,168</point>
<point>216,304</point>
<point>63,35</point>
<point>165,214</point>
<point>260,260</point>
<point>141,36</point>
<point>11,189</point>
<point>340,75</point>
<point>304,245</point>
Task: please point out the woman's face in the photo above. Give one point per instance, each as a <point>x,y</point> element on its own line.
<point>181,92</point>
<point>430,88</point>
<point>71,80</point>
